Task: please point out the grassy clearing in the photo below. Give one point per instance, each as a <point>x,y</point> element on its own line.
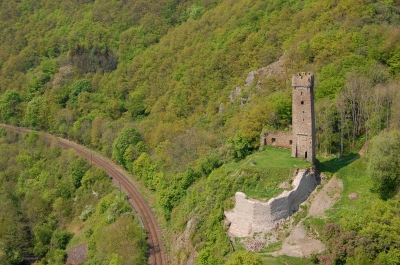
<point>284,260</point>
<point>332,164</point>
<point>272,247</point>
<point>270,157</point>
<point>355,180</point>
<point>260,174</point>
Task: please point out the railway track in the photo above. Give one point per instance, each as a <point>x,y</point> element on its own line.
<point>121,180</point>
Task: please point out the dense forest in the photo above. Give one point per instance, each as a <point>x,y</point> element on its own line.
<point>148,83</point>
<point>50,198</point>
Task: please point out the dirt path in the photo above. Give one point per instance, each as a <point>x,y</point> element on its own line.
<point>120,178</point>
<point>326,197</point>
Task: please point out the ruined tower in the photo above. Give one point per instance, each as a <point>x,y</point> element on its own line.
<point>303,121</point>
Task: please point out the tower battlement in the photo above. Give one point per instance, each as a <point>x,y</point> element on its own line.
<point>303,79</point>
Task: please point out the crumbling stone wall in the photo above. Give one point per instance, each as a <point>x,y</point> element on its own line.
<point>278,139</point>
<point>249,215</point>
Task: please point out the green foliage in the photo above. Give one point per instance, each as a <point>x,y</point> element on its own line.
<point>41,204</point>
<point>209,163</point>
<point>42,234</point>
<point>145,170</point>
<point>244,257</point>
<point>175,188</point>
<point>9,110</point>
<point>372,237</point>
<point>167,67</point>
<point>127,137</point>
<point>82,85</point>
<point>116,241</point>
<point>241,147</point>
<point>56,256</point>
<point>282,104</point>
<point>384,163</point>
<point>77,170</point>
<point>136,103</point>
<point>60,239</point>
<point>37,113</point>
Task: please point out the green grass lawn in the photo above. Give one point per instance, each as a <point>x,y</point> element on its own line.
<point>270,157</point>
<point>260,174</point>
<point>355,180</point>
<point>275,164</point>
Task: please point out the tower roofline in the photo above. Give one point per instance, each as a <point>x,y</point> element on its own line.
<point>303,79</point>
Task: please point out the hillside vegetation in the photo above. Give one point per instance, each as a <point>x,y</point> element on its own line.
<point>147,83</point>
<point>52,200</point>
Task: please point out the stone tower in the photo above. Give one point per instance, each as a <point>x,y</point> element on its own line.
<point>303,121</point>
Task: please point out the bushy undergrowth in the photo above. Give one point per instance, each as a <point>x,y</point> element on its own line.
<point>50,196</point>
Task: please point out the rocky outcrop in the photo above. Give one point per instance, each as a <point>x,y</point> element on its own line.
<point>275,70</point>
<point>251,216</point>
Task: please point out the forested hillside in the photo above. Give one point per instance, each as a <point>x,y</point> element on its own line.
<point>147,83</point>
<point>50,198</point>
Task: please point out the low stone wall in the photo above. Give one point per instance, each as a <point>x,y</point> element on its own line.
<point>278,139</point>
<point>251,216</point>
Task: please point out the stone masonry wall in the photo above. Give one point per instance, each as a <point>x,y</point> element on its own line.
<point>303,116</point>
<point>278,139</point>
<point>250,216</point>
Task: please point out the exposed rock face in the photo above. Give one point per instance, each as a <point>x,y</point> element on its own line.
<point>77,255</point>
<point>276,69</point>
<point>251,216</point>
<point>182,251</point>
<point>235,93</point>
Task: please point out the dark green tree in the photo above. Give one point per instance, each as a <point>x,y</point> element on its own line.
<point>384,163</point>
<point>77,170</point>
<point>127,137</point>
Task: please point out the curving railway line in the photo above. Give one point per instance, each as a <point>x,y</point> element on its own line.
<point>121,180</point>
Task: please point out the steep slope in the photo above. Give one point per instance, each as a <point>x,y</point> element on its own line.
<point>143,82</point>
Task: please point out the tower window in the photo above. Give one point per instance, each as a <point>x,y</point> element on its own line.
<point>273,140</point>
<point>302,102</point>
<point>290,142</point>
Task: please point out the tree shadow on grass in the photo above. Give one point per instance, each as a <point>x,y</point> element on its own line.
<point>335,164</point>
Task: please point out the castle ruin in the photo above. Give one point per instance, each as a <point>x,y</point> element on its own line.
<point>249,215</point>
<point>301,139</point>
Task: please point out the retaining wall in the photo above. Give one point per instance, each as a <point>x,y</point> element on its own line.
<point>249,215</point>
